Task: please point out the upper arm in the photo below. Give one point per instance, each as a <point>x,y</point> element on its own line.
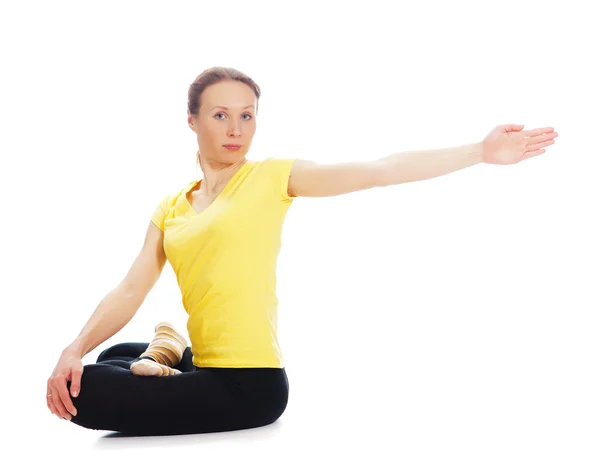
<point>308,178</point>
<point>148,264</point>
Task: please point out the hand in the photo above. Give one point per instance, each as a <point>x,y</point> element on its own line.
<point>506,144</point>
<point>68,368</point>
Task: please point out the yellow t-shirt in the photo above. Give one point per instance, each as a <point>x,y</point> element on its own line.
<point>225,261</point>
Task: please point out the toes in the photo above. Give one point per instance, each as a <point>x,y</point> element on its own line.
<point>145,367</point>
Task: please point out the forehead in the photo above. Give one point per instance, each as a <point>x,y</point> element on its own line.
<point>233,95</point>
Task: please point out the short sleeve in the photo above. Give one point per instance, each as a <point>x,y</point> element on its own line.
<point>159,214</point>
<point>279,171</point>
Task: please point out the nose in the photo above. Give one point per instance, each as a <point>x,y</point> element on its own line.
<point>234,129</point>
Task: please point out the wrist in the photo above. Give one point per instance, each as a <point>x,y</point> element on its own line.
<point>75,348</point>
<point>477,151</point>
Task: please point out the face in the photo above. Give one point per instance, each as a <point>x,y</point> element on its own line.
<point>226,116</point>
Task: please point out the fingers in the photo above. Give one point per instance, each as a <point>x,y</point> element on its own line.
<point>51,406</point>
<point>59,408</point>
<point>534,145</point>
<point>58,399</point>
<point>539,141</point>
<point>541,144</point>
<point>534,132</point>
<point>76,382</point>
<point>51,395</point>
<point>511,127</point>
<point>66,400</point>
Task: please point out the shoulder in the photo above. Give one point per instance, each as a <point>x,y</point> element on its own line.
<point>277,171</point>
<point>172,195</point>
<point>277,166</point>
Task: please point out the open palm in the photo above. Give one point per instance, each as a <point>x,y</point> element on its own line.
<point>508,144</point>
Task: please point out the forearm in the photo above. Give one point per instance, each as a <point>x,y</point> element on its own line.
<point>114,311</point>
<point>411,166</point>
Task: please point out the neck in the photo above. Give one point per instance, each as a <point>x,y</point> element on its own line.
<point>217,174</point>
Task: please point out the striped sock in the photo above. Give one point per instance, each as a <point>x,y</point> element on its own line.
<point>164,352</point>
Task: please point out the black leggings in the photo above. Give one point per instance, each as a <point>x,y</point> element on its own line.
<point>198,400</point>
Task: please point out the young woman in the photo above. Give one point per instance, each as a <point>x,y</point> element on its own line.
<point>222,236</point>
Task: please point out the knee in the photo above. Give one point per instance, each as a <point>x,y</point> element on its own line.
<point>106,353</point>
<point>91,378</point>
<point>122,349</point>
<point>84,403</point>
<point>91,403</point>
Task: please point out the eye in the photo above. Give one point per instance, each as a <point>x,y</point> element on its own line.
<point>247,114</point>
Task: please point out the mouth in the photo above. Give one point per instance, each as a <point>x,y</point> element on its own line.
<point>233,147</point>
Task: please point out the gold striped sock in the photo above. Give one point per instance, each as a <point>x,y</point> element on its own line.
<point>166,349</point>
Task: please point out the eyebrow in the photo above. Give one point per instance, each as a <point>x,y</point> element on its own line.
<point>225,107</point>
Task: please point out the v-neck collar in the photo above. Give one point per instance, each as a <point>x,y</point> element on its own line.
<point>225,189</point>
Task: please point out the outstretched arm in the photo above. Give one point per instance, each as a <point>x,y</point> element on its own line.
<point>505,144</point>
<point>412,166</point>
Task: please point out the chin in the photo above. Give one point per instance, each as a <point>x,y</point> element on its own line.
<point>233,157</point>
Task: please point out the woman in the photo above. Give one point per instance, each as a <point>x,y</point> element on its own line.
<point>221,235</point>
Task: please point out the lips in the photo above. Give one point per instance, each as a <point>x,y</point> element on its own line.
<point>232,147</point>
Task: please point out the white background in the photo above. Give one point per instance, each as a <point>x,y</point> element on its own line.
<point>453,319</point>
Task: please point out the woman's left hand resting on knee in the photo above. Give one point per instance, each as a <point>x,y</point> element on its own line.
<point>115,310</point>
<point>68,368</point>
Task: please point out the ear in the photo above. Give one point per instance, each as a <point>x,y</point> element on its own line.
<point>190,121</point>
